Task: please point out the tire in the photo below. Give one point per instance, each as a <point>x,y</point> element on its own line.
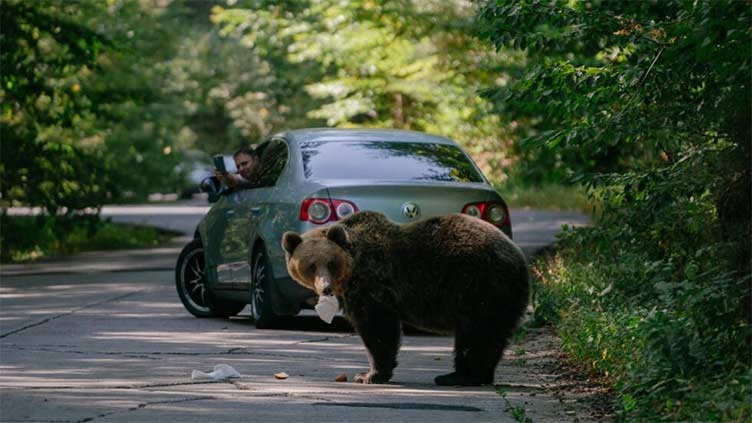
<point>190,282</point>
<point>261,299</point>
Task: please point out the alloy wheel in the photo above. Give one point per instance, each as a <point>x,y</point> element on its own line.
<point>257,290</point>
<point>193,280</point>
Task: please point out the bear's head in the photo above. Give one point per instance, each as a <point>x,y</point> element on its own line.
<point>318,259</point>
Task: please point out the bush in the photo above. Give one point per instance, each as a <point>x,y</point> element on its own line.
<point>24,238</point>
<point>669,333</point>
<point>647,104</point>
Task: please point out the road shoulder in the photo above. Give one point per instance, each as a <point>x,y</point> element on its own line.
<point>537,384</point>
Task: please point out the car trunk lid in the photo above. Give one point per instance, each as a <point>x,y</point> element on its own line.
<point>405,202</point>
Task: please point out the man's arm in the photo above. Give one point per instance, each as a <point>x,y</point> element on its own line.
<point>232,180</point>
<point>242,183</point>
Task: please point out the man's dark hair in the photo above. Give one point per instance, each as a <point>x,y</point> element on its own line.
<point>246,150</point>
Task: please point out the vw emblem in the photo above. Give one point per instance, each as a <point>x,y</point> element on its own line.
<point>410,210</point>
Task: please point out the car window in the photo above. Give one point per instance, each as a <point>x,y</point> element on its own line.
<point>273,161</point>
<point>397,161</point>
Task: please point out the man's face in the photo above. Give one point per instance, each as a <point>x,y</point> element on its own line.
<point>245,164</point>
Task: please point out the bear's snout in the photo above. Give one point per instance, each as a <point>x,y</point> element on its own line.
<point>323,283</point>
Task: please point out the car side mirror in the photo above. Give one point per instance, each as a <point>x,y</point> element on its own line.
<point>213,187</point>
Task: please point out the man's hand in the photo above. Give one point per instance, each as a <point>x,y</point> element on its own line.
<point>220,177</point>
<point>228,179</point>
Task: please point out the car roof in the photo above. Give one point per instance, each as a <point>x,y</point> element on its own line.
<point>361,134</point>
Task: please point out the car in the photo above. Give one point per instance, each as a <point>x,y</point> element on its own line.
<point>310,178</point>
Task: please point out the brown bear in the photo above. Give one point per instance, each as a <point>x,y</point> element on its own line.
<point>448,274</point>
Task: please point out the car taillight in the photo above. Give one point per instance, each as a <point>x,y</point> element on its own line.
<point>322,210</point>
<point>494,213</point>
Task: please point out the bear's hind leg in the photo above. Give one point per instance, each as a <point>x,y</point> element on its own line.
<point>477,351</point>
<point>381,332</point>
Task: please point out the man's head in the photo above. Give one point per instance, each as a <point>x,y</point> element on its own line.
<point>246,160</point>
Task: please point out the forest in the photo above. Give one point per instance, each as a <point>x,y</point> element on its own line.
<point>644,105</point>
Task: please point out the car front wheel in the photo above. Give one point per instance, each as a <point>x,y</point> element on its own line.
<point>261,303</point>
<point>190,281</point>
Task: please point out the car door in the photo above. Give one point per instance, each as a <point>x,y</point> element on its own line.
<point>270,207</point>
<point>237,217</point>
<point>228,224</point>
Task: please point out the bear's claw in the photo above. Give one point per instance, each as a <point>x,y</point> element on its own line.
<point>371,378</point>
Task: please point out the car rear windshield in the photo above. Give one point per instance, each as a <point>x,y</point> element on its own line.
<point>394,161</point>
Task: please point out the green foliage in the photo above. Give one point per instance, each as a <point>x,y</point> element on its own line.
<point>102,101</point>
<point>612,85</point>
<point>44,57</point>
<point>404,64</point>
<point>24,238</point>
<point>82,105</point>
<point>270,95</point>
<point>670,334</point>
<point>152,92</point>
<point>647,104</point>
<point>106,101</point>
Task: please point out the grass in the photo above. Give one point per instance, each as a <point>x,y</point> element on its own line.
<point>30,238</point>
<point>545,197</point>
<point>518,412</point>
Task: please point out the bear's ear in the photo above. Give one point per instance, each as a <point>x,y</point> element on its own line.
<point>290,241</point>
<point>338,235</point>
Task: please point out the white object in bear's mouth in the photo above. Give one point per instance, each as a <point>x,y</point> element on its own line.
<point>327,307</point>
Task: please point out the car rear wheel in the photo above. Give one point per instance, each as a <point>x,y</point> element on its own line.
<point>261,279</point>
<point>190,282</point>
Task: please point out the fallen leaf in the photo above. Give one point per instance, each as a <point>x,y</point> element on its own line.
<point>341,378</point>
<point>281,375</point>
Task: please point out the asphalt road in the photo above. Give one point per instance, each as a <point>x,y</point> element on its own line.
<point>102,337</point>
<point>532,229</point>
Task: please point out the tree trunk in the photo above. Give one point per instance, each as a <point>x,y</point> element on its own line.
<point>399,115</point>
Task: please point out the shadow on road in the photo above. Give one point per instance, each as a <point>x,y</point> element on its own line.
<point>309,322</point>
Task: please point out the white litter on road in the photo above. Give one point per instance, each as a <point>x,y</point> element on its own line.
<point>221,371</point>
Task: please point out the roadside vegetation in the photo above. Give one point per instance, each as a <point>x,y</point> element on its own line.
<point>550,196</point>
<point>636,111</point>
<point>668,333</point>
<point>647,104</point>
<point>29,238</point>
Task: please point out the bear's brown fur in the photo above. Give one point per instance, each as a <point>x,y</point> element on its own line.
<point>449,274</point>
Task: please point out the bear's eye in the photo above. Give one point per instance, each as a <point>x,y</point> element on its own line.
<point>332,265</point>
<point>312,268</point>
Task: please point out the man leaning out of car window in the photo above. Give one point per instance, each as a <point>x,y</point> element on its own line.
<point>246,160</point>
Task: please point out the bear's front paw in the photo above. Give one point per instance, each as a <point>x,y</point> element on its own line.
<point>371,377</point>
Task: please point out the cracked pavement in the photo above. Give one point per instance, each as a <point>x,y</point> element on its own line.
<point>117,346</point>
